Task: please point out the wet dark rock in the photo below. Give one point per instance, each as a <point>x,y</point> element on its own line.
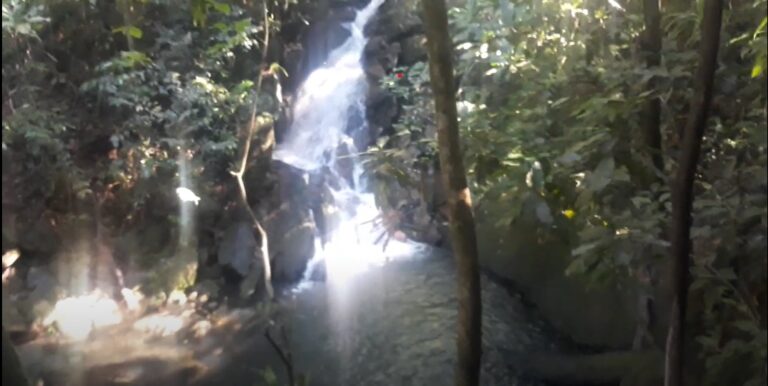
<point>289,224</point>
<point>395,20</point>
<point>42,284</point>
<point>239,249</point>
<point>535,257</point>
<point>413,50</point>
<point>382,53</point>
<point>293,251</point>
<point>322,37</point>
<point>318,272</point>
<point>38,239</point>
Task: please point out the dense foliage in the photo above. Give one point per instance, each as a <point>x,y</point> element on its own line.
<point>104,102</point>
<point>552,99</point>
<point>117,104</point>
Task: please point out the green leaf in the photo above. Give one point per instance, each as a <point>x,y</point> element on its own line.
<point>601,176</point>
<point>199,12</point>
<point>133,58</point>
<point>747,326</point>
<point>759,66</point>
<point>761,27</point>
<point>269,376</point>
<point>129,30</point>
<point>221,7</point>
<point>241,25</point>
<point>584,248</point>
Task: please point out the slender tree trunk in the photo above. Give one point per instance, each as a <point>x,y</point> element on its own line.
<point>682,191</point>
<point>13,374</point>
<point>462,222</point>
<point>650,120</point>
<point>243,165</point>
<point>652,110</point>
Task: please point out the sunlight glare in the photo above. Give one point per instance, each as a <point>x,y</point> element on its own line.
<point>355,246</point>
<point>77,316</point>
<point>160,324</point>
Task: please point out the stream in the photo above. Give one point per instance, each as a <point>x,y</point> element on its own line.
<point>395,325</point>
<point>384,316</point>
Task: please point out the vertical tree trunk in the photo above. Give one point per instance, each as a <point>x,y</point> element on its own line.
<point>652,110</point>
<point>650,120</point>
<point>246,286</point>
<point>682,191</point>
<point>462,222</point>
<point>13,374</point>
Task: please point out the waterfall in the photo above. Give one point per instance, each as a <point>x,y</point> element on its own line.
<point>326,101</point>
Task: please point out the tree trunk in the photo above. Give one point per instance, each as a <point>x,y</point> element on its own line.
<point>652,109</point>
<point>462,222</point>
<point>246,286</point>
<point>13,374</point>
<point>682,191</point>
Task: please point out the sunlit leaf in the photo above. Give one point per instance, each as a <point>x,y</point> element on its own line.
<point>129,30</point>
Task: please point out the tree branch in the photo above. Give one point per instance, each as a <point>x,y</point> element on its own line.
<point>286,357</point>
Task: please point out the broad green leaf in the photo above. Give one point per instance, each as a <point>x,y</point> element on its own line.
<point>584,248</point>
<point>129,30</point>
<point>759,66</point>
<point>601,176</point>
<point>221,7</point>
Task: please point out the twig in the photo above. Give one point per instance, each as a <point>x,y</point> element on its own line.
<point>286,357</point>
<point>738,291</point>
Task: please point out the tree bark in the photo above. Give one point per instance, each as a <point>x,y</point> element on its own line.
<point>682,191</point>
<point>13,374</point>
<point>462,222</point>
<point>652,109</point>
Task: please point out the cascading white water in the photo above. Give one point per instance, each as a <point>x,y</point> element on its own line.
<point>326,100</point>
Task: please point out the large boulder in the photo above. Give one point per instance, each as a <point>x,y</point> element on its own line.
<point>289,224</point>
<point>396,20</point>
<point>412,50</point>
<point>535,258</point>
<point>293,251</point>
<point>238,249</point>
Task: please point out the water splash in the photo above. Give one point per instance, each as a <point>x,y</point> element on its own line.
<point>326,100</point>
